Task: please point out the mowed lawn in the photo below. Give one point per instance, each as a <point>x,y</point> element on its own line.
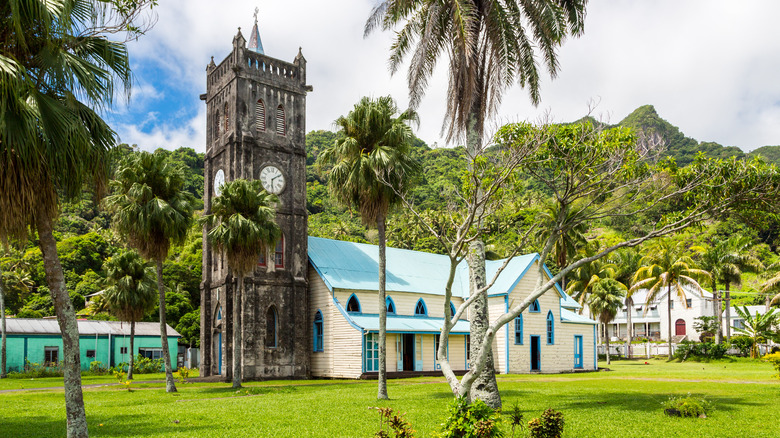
<point>624,402</point>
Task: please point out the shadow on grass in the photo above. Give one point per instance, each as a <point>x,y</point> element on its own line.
<point>648,402</point>
<point>117,425</point>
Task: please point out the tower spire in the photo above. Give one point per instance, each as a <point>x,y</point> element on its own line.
<point>255,44</point>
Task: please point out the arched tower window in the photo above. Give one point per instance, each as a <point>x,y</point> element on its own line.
<point>279,252</point>
<point>419,308</point>
<point>319,345</point>
<point>535,307</point>
<point>550,328</point>
<point>353,305</point>
<point>227,118</point>
<point>216,124</point>
<point>281,121</point>
<point>271,324</point>
<point>390,305</point>
<point>260,115</point>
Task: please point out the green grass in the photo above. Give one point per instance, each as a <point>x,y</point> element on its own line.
<point>623,402</point>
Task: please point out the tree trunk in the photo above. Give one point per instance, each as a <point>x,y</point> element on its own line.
<point>3,371</point>
<point>606,341</point>
<point>629,326</point>
<point>382,387</point>
<point>66,318</point>
<point>237,329</point>
<point>669,315</point>
<point>728,311</point>
<point>485,387</point>
<point>132,351</point>
<point>170,386</point>
<point>719,313</point>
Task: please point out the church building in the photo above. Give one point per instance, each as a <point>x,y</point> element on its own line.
<point>310,308</point>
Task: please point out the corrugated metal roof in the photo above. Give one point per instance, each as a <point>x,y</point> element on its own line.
<point>575,318</point>
<point>86,327</point>
<point>408,324</point>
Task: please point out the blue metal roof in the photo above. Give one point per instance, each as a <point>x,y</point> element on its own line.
<point>408,324</point>
<point>355,266</point>
<point>575,318</point>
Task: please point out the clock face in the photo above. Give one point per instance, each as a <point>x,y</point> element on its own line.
<point>272,179</point>
<point>219,180</point>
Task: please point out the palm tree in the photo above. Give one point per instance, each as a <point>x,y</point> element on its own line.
<point>666,266</point>
<point>152,210</point>
<point>736,258</point>
<point>758,327</point>
<point>604,302</point>
<point>2,329</point>
<point>52,142</point>
<point>241,227</point>
<point>371,169</point>
<point>130,293</point>
<point>587,276</point>
<point>627,262</point>
<point>571,236</point>
<point>490,45</point>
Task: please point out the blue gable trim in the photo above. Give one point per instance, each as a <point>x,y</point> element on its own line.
<point>345,314</point>
<point>324,279</point>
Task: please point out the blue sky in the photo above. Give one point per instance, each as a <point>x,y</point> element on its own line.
<point>709,67</point>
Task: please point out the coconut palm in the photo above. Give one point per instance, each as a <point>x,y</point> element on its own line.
<point>604,302</point>
<point>2,329</point>
<point>52,143</point>
<point>241,226</point>
<point>587,276</point>
<point>371,168</point>
<point>571,235</point>
<point>130,293</point>
<point>627,262</point>
<point>490,45</point>
<point>666,266</point>
<point>737,259</point>
<point>151,209</point>
<point>759,327</point>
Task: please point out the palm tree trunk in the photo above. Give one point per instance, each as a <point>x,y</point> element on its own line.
<point>606,341</point>
<point>669,315</point>
<point>132,351</point>
<point>728,311</point>
<point>629,326</point>
<point>3,370</point>
<point>237,329</point>
<point>382,389</point>
<point>719,313</point>
<point>66,318</point>
<point>170,386</point>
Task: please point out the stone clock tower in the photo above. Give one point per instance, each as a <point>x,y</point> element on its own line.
<point>256,125</point>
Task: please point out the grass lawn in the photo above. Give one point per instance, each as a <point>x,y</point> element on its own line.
<point>625,402</point>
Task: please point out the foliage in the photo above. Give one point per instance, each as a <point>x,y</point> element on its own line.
<point>182,374</point>
<point>516,418</point>
<point>131,291</point>
<point>700,351</point>
<point>759,327</point>
<point>475,420</point>
<point>742,343</point>
<point>549,425</point>
<point>96,368</point>
<point>688,406</point>
<point>707,326</point>
<point>189,328</point>
<point>34,370</point>
<point>144,365</point>
<point>395,423</point>
<point>774,359</point>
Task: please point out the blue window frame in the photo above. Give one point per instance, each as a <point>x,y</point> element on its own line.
<point>420,309</point>
<point>535,308</point>
<point>519,330</point>
<point>372,352</point>
<point>550,328</point>
<point>353,305</point>
<point>390,305</point>
<point>452,310</point>
<point>318,332</point>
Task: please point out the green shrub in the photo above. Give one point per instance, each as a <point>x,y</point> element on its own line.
<point>549,425</point>
<point>475,420</point>
<point>774,358</point>
<point>688,406</point>
<point>742,343</point>
<point>395,423</point>
<point>144,365</point>
<point>33,370</point>
<point>97,368</point>
<point>700,351</point>
<point>182,374</point>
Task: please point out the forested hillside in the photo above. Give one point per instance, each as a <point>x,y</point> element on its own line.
<point>86,239</point>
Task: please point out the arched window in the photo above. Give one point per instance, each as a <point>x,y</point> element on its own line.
<point>281,121</point>
<point>390,305</point>
<point>318,341</point>
<point>260,115</point>
<point>353,305</point>
<point>679,327</point>
<point>271,325</point>
<point>227,118</point>
<point>218,317</point>
<point>279,253</point>
<point>519,330</point>
<point>452,310</point>
<point>216,124</point>
<point>550,328</point>
<point>420,309</point>
<point>535,307</point>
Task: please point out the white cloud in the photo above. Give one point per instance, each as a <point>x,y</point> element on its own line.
<point>709,67</point>
<point>190,134</point>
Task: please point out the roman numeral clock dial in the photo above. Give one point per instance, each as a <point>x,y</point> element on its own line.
<point>272,179</point>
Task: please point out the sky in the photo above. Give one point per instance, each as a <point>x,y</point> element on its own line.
<point>709,67</point>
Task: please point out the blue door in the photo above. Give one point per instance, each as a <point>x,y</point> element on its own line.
<point>399,352</point>
<point>577,351</point>
<point>536,354</point>
<point>220,353</point>
<point>418,353</point>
